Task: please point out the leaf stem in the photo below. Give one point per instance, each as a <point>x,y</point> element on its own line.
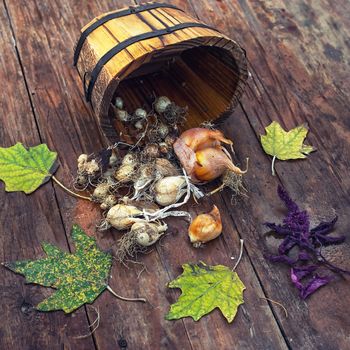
<point>240,255</point>
<point>143,300</point>
<point>273,166</point>
<point>68,190</point>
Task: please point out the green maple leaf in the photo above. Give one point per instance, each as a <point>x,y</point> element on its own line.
<point>79,278</point>
<point>203,289</point>
<point>25,169</point>
<point>285,145</point>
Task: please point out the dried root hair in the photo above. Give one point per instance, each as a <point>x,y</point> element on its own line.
<point>128,247</point>
<point>176,115</point>
<point>93,326</point>
<point>208,124</point>
<point>103,225</point>
<point>234,182</point>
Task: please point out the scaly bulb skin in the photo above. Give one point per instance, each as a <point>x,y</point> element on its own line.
<point>202,156</point>
<point>205,227</point>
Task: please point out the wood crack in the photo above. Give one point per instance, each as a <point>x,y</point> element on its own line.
<point>170,278</point>
<point>261,285</point>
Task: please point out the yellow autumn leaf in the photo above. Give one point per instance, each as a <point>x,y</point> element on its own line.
<point>205,288</point>
<point>285,145</point>
<point>26,169</point>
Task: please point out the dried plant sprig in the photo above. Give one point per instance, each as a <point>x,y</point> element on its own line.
<point>297,234</point>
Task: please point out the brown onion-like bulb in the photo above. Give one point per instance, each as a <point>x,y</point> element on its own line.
<point>186,156</point>
<point>205,227</point>
<point>212,163</point>
<point>202,156</point>
<point>200,138</point>
<point>151,151</point>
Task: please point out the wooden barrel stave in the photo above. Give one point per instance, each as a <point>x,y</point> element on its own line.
<point>190,79</point>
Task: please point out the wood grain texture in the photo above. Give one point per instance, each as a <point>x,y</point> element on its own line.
<point>55,89</point>
<point>299,56</point>
<point>160,49</point>
<point>25,221</point>
<point>287,86</point>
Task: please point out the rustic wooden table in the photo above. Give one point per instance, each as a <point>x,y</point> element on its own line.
<point>299,54</point>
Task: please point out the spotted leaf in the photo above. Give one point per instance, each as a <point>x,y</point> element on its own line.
<point>79,278</point>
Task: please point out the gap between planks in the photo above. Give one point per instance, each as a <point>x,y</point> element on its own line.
<point>278,322</point>
<point>245,249</point>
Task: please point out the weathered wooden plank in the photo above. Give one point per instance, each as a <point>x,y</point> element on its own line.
<point>244,330</point>
<point>173,332</point>
<point>49,75</point>
<point>24,223</point>
<point>69,127</point>
<point>176,250</point>
<point>288,86</point>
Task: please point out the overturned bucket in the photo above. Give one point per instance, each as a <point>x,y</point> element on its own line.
<point>156,49</point>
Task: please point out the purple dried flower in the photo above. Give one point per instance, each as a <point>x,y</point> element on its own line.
<point>296,233</point>
<point>284,195</point>
<point>312,285</point>
<point>316,283</point>
<point>304,256</point>
<point>320,233</point>
<point>324,227</point>
<point>297,273</point>
<point>282,259</point>
<point>296,220</point>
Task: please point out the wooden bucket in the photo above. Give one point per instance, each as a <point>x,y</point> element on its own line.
<point>153,50</point>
